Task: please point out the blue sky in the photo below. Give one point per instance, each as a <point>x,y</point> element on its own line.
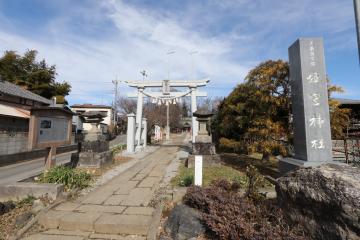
<point>92,42</point>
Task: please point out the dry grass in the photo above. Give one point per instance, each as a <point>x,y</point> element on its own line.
<point>209,175</point>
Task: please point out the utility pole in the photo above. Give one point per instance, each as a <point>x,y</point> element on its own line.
<point>168,54</point>
<point>167,120</point>
<point>168,103</point>
<point>115,82</point>
<point>143,73</point>
<point>357,19</point>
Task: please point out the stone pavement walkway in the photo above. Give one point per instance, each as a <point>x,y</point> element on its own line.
<point>119,209</point>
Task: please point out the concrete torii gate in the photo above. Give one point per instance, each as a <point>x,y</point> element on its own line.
<point>166,94</point>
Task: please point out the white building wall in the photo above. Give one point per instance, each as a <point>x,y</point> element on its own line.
<point>107,120</point>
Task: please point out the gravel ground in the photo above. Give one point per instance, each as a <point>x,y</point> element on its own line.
<point>8,226</point>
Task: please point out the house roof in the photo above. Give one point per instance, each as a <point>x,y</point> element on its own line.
<point>87,105</point>
<point>12,111</point>
<point>14,90</point>
<point>344,101</point>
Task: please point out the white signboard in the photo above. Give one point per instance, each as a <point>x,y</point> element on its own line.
<point>198,170</point>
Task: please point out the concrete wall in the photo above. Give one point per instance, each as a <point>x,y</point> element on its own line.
<point>13,142</point>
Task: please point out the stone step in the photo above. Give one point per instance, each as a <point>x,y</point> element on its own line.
<point>123,224</point>
<point>56,234</point>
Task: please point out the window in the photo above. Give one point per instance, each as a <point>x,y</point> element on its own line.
<point>45,124</point>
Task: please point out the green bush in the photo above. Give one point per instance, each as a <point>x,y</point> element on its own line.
<point>71,178</point>
<point>187,180</point>
<point>118,149</point>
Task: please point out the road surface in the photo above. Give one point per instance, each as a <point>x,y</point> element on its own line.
<point>19,171</point>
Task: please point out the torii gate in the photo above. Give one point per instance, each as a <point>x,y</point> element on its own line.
<point>166,94</point>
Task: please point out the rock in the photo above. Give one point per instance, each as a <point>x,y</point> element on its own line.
<point>178,194</point>
<point>325,200</point>
<point>22,219</point>
<point>37,206</point>
<point>6,207</point>
<point>184,223</point>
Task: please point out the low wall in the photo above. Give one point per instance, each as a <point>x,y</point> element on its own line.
<point>29,155</point>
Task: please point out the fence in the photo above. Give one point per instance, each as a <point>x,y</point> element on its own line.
<point>347,150</point>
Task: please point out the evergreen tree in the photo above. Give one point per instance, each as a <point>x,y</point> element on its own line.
<point>34,76</point>
<point>257,112</point>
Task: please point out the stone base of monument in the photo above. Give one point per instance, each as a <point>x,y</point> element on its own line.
<point>208,161</point>
<point>201,148</point>
<point>94,154</point>
<point>291,164</point>
<point>207,150</point>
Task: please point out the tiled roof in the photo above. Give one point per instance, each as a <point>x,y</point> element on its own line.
<point>14,90</point>
<point>89,106</point>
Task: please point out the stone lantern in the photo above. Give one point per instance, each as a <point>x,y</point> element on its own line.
<point>94,151</point>
<point>94,118</point>
<point>203,141</point>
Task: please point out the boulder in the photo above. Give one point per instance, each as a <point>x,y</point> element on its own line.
<point>324,199</point>
<point>184,223</point>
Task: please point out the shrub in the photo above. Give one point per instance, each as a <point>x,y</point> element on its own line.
<point>228,215</point>
<point>118,149</point>
<point>187,179</point>
<point>29,200</point>
<point>230,145</point>
<point>254,181</point>
<point>71,178</point>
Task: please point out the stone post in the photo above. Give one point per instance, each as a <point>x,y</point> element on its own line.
<point>195,125</point>
<point>139,109</point>
<point>309,96</point>
<point>50,158</point>
<point>130,136</point>
<point>144,132</point>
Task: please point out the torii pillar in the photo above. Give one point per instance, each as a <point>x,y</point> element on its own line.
<point>139,111</point>
<point>195,124</point>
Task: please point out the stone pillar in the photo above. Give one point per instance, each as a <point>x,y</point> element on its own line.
<point>195,124</point>
<point>310,107</point>
<point>139,109</point>
<point>130,136</point>
<point>144,132</point>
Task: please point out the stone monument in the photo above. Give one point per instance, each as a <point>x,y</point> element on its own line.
<point>310,107</point>
<point>94,150</point>
<point>203,142</point>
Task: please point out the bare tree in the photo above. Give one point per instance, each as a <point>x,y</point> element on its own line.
<point>125,105</point>
<point>209,103</point>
